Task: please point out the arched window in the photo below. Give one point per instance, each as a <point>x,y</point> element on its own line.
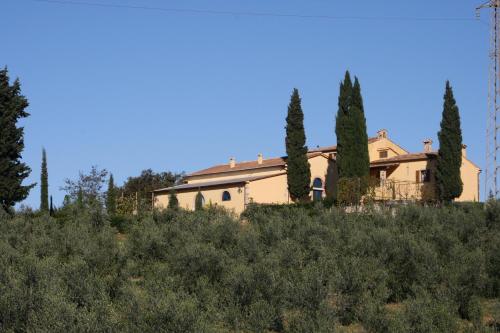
<point>317,189</point>
<point>226,196</point>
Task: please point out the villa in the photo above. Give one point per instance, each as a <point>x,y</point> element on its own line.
<point>400,176</point>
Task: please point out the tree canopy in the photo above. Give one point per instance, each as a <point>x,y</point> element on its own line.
<point>12,171</point>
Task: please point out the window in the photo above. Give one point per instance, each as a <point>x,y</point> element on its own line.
<point>382,177</point>
<point>317,189</point>
<point>382,154</point>
<point>226,196</point>
<point>423,176</point>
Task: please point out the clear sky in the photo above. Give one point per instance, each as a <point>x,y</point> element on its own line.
<point>129,89</point>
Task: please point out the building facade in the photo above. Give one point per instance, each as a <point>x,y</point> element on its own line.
<point>398,176</point>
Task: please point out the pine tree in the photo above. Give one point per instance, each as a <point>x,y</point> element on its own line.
<point>111,197</point>
<point>12,170</point>
<point>51,209</point>
<point>44,184</point>
<point>173,202</point>
<point>198,202</point>
<point>298,168</point>
<point>448,181</point>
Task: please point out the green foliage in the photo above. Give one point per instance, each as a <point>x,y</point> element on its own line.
<point>297,268</point>
<point>298,168</point>
<point>352,142</point>
<point>87,190</point>
<point>138,189</point>
<point>44,184</point>
<point>111,197</point>
<point>173,202</point>
<point>12,170</point>
<point>198,201</point>
<point>448,181</point>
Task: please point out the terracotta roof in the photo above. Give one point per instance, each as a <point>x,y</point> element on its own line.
<point>250,165</point>
<point>217,182</point>
<point>405,158</point>
<point>334,147</point>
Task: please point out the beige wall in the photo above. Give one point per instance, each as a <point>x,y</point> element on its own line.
<point>406,172</point>
<point>470,179</point>
<point>384,144</point>
<point>211,195</point>
<point>273,190</point>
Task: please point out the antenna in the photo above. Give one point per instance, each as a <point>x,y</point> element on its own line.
<point>492,127</point>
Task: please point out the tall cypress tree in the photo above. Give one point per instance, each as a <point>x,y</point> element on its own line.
<point>44,184</point>
<point>12,170</point>
<point>361,163</point>
<point>343,128</point>
<point>298,168</point>
<point>52,209</point>
<point>353,160</point>
<point>448,180</point>
<point>111,197</point>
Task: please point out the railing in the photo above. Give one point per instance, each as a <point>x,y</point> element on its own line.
<point>395,190</point>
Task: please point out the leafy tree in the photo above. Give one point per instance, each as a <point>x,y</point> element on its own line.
<point>44,184</point>
<point>173,202</point>
<point>12,170</point>
<point>298,168</point>
<point>449,184</point>
<point>87,189</point>
<point>139,188</point>
<point>111,197</point>
<point>198,202</point>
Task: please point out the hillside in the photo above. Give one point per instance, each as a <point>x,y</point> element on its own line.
<point>279,269</point>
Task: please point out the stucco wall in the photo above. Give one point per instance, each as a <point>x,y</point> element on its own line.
<point>469,172</point>
<point>470,180</point>
<point>269,190</point>
<point>211,195</point>
<point>382,144</point>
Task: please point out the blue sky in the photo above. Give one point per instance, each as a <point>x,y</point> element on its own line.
<point>129,89</point>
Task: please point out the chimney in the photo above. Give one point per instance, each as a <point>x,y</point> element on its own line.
<point>260,159</point>
<point>382,134</point>
<point>232,162</point>
<point>427,145</point>
<point>464,151</point>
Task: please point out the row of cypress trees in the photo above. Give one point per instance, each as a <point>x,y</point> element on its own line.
<point>352,159</point>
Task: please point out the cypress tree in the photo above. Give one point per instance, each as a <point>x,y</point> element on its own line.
<point>44,184</point>
<point>198,202</point>
<point>448,181</point>
<point>343,128</point>
<point>111,197</point>
<point>353,161</point>
<point>52,209</point>
<point>12,170</point>
<point>173,202</point>
<point>298,168</point>
<point>361,156</point>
